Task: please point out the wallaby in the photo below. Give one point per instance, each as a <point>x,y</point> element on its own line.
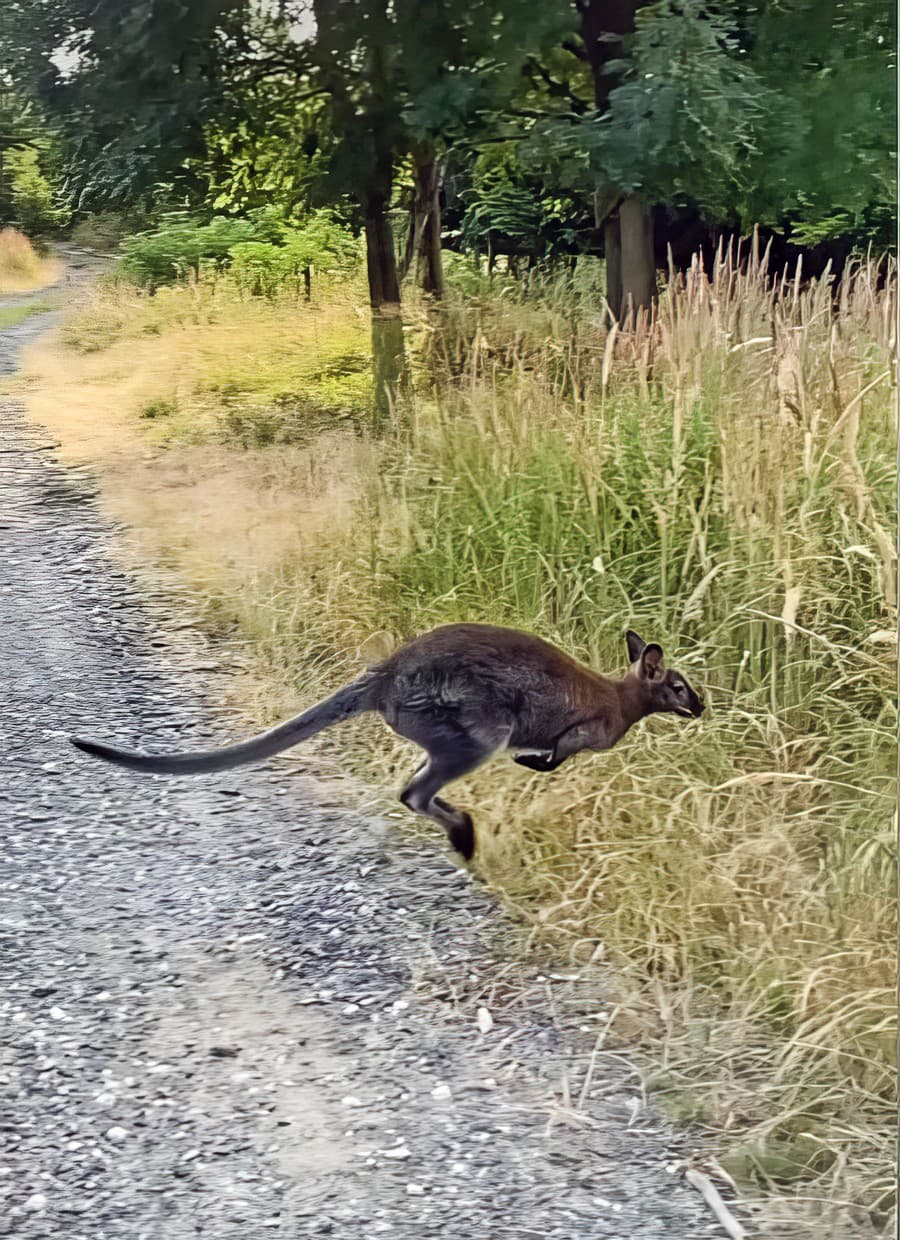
<point>464,692</point>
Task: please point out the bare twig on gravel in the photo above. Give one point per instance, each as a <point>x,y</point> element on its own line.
<point>710,1195</point>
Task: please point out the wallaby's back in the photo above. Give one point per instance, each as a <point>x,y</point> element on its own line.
<point>484,671</point>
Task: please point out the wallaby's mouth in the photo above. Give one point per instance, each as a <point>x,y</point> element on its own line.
<point>690,712</point>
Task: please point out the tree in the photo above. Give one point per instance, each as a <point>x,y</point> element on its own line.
<point>461,72</point>
<point>269,146</point>
<point>355,64</point>
<point>404,82</point>
<point>781,114</point>
<point>127,86</point>
<point>566,95</point>
<point>721,107</point>
<point>18,134</point>
<point>824,160</point>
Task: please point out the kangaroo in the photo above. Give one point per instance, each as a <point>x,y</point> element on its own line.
<point>463,693</point>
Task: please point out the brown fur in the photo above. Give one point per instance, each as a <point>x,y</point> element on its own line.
<point>463,693</point>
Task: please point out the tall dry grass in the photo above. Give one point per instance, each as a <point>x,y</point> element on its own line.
<point>22,269</point>
<point>720,476</point>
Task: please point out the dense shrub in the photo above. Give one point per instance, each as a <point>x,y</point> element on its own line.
<point>31,202</point>
<point>180,245</point>
<point>266,254</point>
<point>321,246</point>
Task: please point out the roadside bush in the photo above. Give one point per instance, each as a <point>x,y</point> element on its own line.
<point>34,205</point>
<point>320,247</point>
<point>267,255</point>
<point>179,245</point>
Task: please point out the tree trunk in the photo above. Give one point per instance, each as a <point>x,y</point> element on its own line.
<point>430,268</point>
<point>341,74</point>
<point>388,354</point>
<point>381,260</point>
<point>612,247</point>
<point>388,362</point>
<point>638,266</point>
<point>423,241</point>
<point>630,265</point>
<point>604,27</point>
<point>409,245</point>
<point>628,236</point>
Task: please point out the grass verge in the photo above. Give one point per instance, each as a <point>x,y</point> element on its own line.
<point>12,316</point>
<point>720,478</point>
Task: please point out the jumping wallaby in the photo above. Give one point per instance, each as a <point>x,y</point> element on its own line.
<point>464,692</point>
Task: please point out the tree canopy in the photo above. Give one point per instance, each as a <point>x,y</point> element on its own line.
<point>779,113</point>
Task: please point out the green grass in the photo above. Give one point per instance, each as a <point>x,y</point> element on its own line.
<point>238,369</point>
<point>12,316</point>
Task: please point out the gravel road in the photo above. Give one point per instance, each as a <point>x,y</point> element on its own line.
<point>235,1012</point>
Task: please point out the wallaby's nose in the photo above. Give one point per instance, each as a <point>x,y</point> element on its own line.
<point>700,707</point>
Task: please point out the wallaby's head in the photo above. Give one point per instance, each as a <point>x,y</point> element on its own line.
<point>666,689</point>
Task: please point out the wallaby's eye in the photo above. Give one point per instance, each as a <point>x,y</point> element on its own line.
<point>681,688</point>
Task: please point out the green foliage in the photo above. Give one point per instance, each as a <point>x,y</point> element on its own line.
<point>322,246</point>
<point>130,92</point>
<point>105,230</point>
<point>29,197</point>
<point>180,244</point>
<point>826,154</point>
<point>409,73</point>
<point>35,206</point>
<point>781,115</point>
<point>463,64</point>
<point>159,408</point>
<point>266,254</point>
<point>497,208</point>
<point>260,268</point>
<point>504,208</point>
<point>269,145</point>
<point>688,112</point>
<point>17,134</point>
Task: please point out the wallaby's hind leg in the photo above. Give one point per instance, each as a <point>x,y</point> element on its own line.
<point>420,794</point>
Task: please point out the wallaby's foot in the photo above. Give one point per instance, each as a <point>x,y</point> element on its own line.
<point>462,835</point>
<point>420,794</point>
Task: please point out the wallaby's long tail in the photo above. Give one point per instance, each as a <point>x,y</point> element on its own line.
<point>347,702</point>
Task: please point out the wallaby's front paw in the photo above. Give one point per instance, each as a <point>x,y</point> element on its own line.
<point>462,836</point>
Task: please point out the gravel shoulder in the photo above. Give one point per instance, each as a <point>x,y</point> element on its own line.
<point>233,1010</point>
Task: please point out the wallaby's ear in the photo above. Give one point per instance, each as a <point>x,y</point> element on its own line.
<point>635,645</point>
<point>652,662</point>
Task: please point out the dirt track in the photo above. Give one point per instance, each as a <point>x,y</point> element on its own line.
<point>233,1012</point>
